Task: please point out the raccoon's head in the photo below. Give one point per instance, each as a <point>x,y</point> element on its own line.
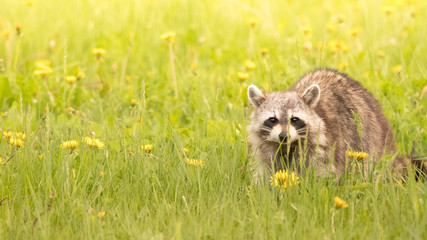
<point>283,117</point>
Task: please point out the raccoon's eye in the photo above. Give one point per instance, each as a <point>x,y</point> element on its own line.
<point>272,120</point>
<point>294,119</point>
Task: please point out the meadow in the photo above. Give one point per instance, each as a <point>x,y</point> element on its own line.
<point>127,119</point>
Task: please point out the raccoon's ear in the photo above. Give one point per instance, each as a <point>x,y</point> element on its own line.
<point>255,95</point>
<point>311,95</point>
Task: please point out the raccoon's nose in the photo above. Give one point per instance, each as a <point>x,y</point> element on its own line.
<point>283,136</point>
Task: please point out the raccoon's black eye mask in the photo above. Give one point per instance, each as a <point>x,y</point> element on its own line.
<point>297,123</point>
<point>294,120</point>
<point>271,122</point>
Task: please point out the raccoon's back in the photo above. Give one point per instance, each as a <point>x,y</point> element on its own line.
<point>343,101</point>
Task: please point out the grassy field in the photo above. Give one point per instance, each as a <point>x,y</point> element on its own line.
<point>115,188</point>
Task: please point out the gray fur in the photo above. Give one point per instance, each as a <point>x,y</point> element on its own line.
<point>325,100</point>
<point>255,95</point>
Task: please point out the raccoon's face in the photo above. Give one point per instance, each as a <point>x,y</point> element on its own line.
<point>282,117</point>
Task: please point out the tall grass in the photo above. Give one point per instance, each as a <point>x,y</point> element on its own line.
<point>127,99</point>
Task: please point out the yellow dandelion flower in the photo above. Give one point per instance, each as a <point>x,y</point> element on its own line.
<point>18,28</point>
<point>70,79</point>
<point>99,144</point>
<point>70,110</point>
<point>342,65</point>
<point>17,142</point>
<point>98,52</point>
<point>396,69</point>
<point>94,142</point>
<point>380,53</point>
<point>283,179</point>
<point>80,74</point>
<point>354,31</point>
<point>331,27</point>
<point>264,51</point>
<point>339,203</point>
<point>394,174</point>
<point>5,33</point>
<point>41,156</point>
<point>338,46</point>
<point>140,119</point>
<point>43,68</point>
<point>101,214</point>
<point>242,76</point>
<point>398,182</point>
<point>29,3</point>
<point>320,45</point>
<point>147,148</point>
<point>306,29</point>
<point>42,63</point>
<point>15,139</point>
<point>388,10</point>
<point>133,102</point>
<point>43,72</point>
<point>193,66</point>
<point>252,22</point>
<point>89,141</point>
<point>1,162</point>
<point>341,18</point>
<point>414,12</point>
<point>195,162</point>
<point>101,174</point>
<point>71,144</point>
<point>7,134</point>
<point>185,150</point>
<point>357,155</point>
<point>168,37</point>
<point>21,135</point>
<point>249,64</point>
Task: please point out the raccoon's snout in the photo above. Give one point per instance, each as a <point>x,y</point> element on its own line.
<point>283,137</point>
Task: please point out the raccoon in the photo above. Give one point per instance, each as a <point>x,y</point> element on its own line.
<point>313,124</point>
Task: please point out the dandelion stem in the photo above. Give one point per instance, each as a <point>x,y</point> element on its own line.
<point>251,43</point>
<point>9,56</point>
<point>125,62</point>
<point>144,101</point>
<point>332,222</point>
<point>171,58</point>
<point>267,68</point>
<point>52,99</point>
<point>15,61</point>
